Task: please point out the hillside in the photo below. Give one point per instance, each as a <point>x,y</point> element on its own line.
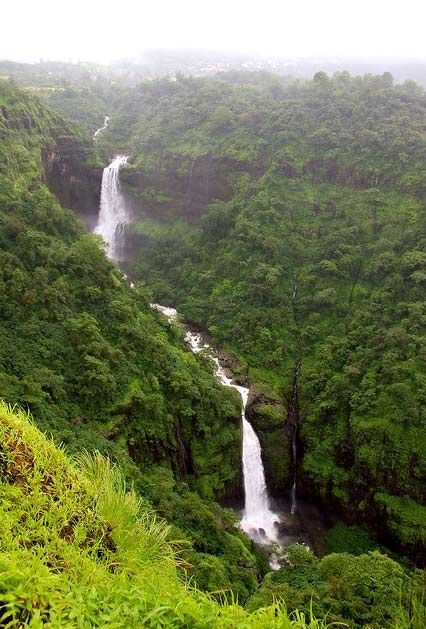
<point>94,364</point>
<point>78,550</point>
<point>288,220</point>
<point>150,439</point>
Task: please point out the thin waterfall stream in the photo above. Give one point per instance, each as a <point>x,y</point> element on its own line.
<point>104,126</point>
<point>293,488</point>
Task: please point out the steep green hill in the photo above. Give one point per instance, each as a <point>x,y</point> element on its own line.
<point>290,221</point>
<point>95,365</point>
<point>77,550</point>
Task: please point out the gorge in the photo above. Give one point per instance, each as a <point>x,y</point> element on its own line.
<point>264,525</point>
<point>258,520</point>
<point>323,399</point>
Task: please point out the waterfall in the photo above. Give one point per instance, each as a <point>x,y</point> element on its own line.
<point>258,520</point>
<point>189,186</point>
<point>113,215</point>
<point>293,489</point>
<point>106,121</point>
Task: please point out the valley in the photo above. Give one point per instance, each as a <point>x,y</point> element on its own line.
<point>278,419</point>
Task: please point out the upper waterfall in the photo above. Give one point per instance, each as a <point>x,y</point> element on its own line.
<point>106,121</point>
<point>113,214</point>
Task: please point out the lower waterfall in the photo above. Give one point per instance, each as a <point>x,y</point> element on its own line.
<point>258,521</point>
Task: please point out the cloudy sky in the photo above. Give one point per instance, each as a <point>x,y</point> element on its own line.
<point>103,31</point>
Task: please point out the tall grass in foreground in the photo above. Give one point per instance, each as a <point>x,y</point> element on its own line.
<point>77,550</point>
<point>139,535</point>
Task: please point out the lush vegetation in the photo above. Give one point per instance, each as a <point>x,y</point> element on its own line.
<point>77,550</point>
<point>289,221</point>
<point>313,280</point>
<point>368,590</point>
<point>98,368</point>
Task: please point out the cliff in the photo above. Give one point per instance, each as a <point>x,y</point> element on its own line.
<point>73,176</point>
<point>40,143</point>
<point>181,186</point>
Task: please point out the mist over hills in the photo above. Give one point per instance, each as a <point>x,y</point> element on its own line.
<point>155,63</point>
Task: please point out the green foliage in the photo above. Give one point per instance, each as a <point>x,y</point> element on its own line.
<point>407,518</point>
<point>349,539</point>
<point>369,590</point>
<point>299,555</point>
<point>77,549</point>
<point>303,253</point>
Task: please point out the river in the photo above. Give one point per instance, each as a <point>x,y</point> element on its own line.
<point>267,524</point>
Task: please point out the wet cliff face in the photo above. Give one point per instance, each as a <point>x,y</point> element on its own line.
<point>180,186</point>
<point>71,177</point>
<point>268,418</point>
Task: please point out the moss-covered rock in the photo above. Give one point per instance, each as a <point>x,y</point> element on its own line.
<point>267,415</point>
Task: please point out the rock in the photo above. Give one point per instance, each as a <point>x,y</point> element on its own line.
<point>76,184</point>
<point>267,416</point>
<point>180,185</point>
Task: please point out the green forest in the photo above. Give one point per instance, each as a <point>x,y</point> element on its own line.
<point>305,256</point>
<point>286,220</point>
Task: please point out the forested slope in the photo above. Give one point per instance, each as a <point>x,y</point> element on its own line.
<point>100,370</point>
<point>290,221</point>
<point>95,365</point>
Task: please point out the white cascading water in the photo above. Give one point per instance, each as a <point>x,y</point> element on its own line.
<point>258,521</point>
<point>113,214</point>
<point>106,121</point>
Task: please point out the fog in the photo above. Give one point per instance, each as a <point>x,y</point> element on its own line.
<point>103,31</point>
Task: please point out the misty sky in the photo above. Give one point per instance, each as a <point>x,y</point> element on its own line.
<point>103,31</point>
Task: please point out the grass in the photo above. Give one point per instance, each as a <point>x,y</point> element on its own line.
<point>77,549</point>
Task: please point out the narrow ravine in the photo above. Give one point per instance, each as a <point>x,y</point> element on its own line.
<point>258,518</point>
<point>258,521</point>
